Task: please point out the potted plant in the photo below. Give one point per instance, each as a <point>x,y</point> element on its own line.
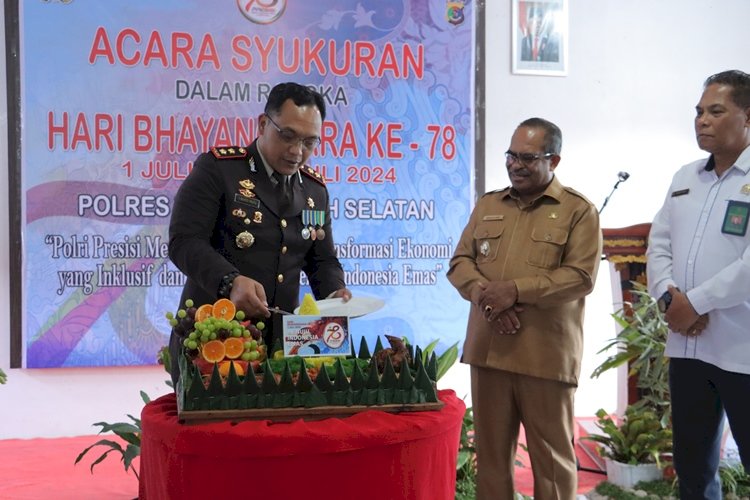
<point>633,447</point>
<point>640,345</point>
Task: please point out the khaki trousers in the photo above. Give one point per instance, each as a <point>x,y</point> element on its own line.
<point>501,401</point>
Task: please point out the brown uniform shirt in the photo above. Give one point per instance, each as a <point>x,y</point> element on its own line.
<point>551,249</point>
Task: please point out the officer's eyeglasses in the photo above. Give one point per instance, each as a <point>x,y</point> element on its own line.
<point>291,138</point>
<point>524,159</point>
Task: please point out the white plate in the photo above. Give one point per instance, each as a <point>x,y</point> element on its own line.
<point>356,307</point>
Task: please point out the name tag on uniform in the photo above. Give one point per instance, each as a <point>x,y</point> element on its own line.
<point>253,202</point>
<point>680,192</point>
<point>735,220</point>
<point>493,217</point>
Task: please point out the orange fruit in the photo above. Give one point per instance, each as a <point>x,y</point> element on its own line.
<point>213,351</point>
<point>224,368</point>
<point>234,347</point>
<point>204,312</point>
<point>225,309</point>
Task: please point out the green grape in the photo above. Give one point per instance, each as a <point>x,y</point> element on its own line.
<point>212,336</point>
<point>246,356</point>
<point>236,333</point>
<point>240,315</point>
<point>173,322</point>
<point>253,344</point>
<point>192,344</point>
<point>249,345</point>
<point>181,313</point>
<point>193,335</point>
<point>260,325</point>
<point>185,342</point>
<point>189,303</point>
<point>205,338</point>
<point>169,315</point>
<point>246,333</point>
<point>254,355</point>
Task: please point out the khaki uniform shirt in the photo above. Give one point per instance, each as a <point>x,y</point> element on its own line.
<point>551,249</point>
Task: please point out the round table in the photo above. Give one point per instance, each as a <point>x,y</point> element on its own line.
<point>369,455</point>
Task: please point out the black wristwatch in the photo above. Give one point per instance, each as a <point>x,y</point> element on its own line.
<point>225,285</point>
<point>664,301</point>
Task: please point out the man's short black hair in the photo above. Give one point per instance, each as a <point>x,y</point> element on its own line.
<point>299,94</point>
<point>552,134</point>
<point>738,80</point>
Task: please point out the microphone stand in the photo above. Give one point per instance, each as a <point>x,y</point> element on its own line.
<point>621,177</point>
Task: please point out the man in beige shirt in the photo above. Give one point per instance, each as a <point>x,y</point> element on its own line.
<point>526,260</point>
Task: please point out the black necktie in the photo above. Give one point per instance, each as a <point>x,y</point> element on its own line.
<point>282,191</point>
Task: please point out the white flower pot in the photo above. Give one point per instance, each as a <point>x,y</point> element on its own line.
<point>626,475</point>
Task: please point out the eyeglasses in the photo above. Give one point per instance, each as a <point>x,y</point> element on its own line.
<point>524,159</point>
<point>291,138</point>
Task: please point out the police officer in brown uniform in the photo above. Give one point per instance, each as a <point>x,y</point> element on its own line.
<point>247,220</point>
<point>526,260</point>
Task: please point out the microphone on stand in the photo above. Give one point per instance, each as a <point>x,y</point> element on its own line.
<point>621,177</point>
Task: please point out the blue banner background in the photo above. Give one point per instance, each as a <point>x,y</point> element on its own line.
<point>76,183</point>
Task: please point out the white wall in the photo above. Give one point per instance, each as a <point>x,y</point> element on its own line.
<point>636,69</point>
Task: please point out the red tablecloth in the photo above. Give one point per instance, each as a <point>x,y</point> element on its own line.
<point>370,455</point>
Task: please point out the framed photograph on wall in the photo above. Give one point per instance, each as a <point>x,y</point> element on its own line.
<point>540,37</point>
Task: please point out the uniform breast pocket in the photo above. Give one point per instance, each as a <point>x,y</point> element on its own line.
<point>547,247</point>
<point>487,238</point>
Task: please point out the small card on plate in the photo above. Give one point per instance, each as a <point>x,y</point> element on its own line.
<point>316,336</point>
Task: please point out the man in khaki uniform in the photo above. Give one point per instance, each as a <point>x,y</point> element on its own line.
<point>526,260</point>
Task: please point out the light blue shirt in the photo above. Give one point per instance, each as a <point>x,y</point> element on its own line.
<point>688,249</point>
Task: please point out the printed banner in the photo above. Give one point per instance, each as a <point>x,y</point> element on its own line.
<point>118,98</point>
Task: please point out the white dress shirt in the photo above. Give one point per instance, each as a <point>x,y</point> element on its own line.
<point>688,249</point>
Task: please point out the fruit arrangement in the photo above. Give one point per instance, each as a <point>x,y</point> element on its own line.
<point>225,366</point>
<point>218,334</point>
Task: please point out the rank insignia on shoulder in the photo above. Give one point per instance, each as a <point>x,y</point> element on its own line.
<point>230,152</point>
<point>310,172</point>
<point>310,202</point>
<point>247,184</point>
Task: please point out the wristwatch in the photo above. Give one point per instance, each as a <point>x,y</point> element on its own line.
<point>664,301</point>
<point>225,285</point>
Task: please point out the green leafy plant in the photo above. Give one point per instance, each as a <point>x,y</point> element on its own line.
<point>128,432</point>
<point>466,466</point>
<point>640,346</point>
<point>734,480</point>
<point>444,361</point>
<point>3,376</point>
<point>638,438</point>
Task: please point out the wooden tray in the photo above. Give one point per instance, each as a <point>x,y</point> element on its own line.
<point>290,414</point>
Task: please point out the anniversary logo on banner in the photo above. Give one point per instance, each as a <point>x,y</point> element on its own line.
<point>119,97</point>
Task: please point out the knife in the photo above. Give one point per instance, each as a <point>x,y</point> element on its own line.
<point>276,310</point>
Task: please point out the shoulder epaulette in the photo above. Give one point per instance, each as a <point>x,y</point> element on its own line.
<point>576,193</point>
<point>311,173</point>
<point>496,191</point>
<point>229,152</point>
